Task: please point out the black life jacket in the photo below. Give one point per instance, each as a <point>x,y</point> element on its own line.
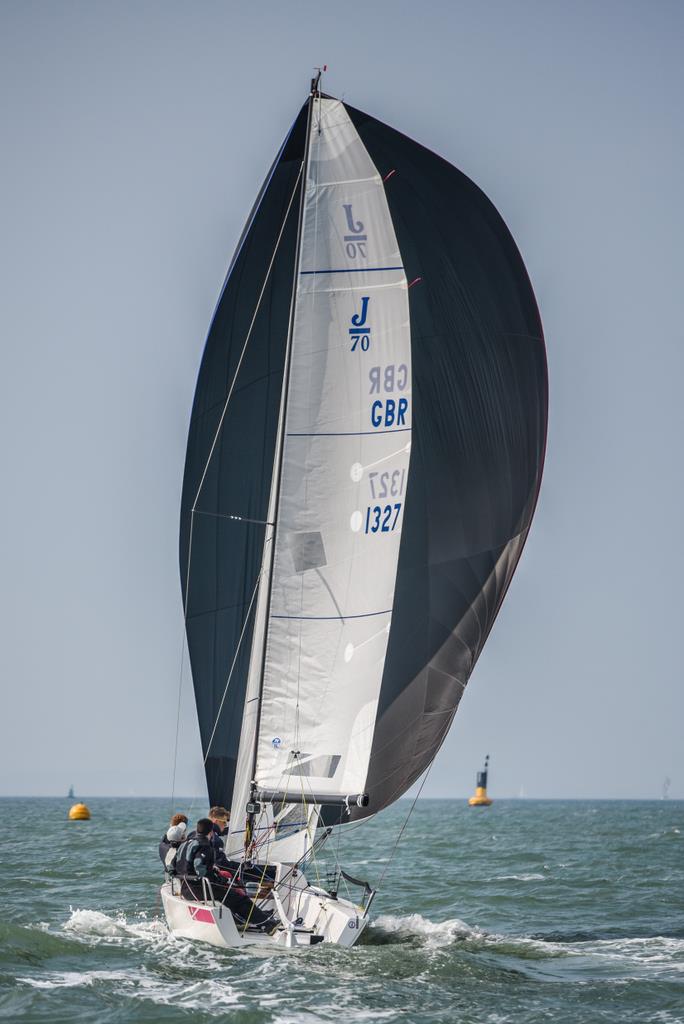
<point>187,851</point>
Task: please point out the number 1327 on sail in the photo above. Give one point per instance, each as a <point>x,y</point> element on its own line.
<point>381,519</point>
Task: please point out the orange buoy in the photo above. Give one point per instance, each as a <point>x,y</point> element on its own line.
<point>481,799</point>
<point>79,812</point>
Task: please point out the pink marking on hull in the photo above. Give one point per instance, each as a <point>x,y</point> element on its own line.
<point>198,914</point>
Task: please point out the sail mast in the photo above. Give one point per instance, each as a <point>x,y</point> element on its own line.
<point>278,464</point>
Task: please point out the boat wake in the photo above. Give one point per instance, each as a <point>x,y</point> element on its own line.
<point>144,986</point>
<point>388,929</point>
<point>196,968</point>
<point>161,971</point>
<point>94,923</point>
<point>416,929</point>
<point>623,956</point>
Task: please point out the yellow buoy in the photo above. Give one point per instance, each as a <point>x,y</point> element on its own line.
<point>79,812</point>
<point>481,799</point>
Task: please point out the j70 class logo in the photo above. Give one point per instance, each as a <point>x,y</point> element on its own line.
<point>355,241</point>
<point>359,330</point>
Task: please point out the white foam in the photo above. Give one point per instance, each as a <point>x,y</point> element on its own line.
<point>95,924</point>
<point>75,979</point>
<point>438,933</point>
<point>208,992</point>
<point>520,878</point>
<point>665,833</point>
<point>359,1015</point>
<point>655,950</point>
<point>444,933</point>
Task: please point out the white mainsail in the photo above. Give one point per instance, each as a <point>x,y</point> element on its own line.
<point>341,489</point>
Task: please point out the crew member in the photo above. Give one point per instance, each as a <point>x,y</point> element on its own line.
<point>197,859</point>
<point>178,825</point>
<point>219,818</point>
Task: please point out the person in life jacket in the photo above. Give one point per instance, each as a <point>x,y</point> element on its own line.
<point>198,860</point>
<point>219,818</point>
<point>173,837</point>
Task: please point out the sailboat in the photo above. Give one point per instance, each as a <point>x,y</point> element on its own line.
<point>364,458</point>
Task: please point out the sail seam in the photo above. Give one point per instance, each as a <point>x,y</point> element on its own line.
<point>334,618</point>
<point>375,178</point>
<point>347,270</point>
<point>354,433</point>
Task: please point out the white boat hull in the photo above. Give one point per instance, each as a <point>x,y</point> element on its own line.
<point>319,917</point>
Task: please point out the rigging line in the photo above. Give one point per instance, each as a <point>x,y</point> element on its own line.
<point>249,334</point>
<point>317,842</point>
<point>206,468</point>
<point>337,851</point>
<point>263,874</point>
<point>254,901</point>
<point>403,827</point>
<point>175,745</point>
<point>232,668</point>
<point>308,829</point>
<point>182,660</point>
<point>265,840</point>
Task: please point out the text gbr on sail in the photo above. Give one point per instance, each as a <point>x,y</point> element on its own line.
<point>388,412</point>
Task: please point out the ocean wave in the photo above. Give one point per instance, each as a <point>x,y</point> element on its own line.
<point>657,955</point>
<point>520,878</point>
<point>74,979</point>
<point>666,833</point>
<point>653,950</point>
<point>214,994</point>
<point>416,928</point>
<point>96,924</point>
<point>34,941</point>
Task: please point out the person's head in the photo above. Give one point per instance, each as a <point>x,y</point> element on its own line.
<point>178,819</point>
<point>175,833</point>
<point>203,827</point>
<point>220,816</point>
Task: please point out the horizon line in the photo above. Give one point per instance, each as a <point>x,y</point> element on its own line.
<point>457,799</point>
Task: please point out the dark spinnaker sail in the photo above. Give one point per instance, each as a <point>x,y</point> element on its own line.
<point>480,397</point>
<point>479,393</point>
<point>226,552</point>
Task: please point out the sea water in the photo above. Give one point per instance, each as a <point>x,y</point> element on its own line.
<point>524,911</point>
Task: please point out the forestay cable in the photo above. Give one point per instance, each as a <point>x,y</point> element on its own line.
<point>206,469</point>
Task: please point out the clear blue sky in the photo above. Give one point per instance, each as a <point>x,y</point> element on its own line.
<point>134,139</point>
